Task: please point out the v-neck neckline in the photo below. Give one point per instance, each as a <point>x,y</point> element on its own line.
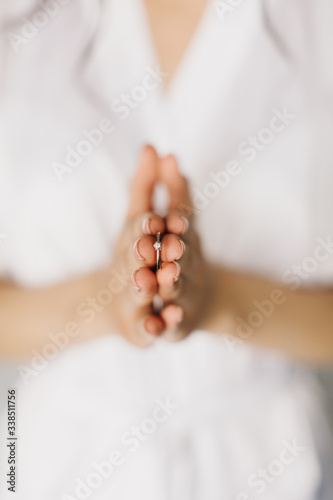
<point>187,53</point>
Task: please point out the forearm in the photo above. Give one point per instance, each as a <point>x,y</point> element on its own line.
<point>29,317</point>
<point>267,314</point>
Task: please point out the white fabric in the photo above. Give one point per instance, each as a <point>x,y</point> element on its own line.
<point>236,409</point>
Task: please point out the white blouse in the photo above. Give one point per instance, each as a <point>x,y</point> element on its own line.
<point>249,116</point>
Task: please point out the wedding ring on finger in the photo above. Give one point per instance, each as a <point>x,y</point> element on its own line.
<point>158,247</point>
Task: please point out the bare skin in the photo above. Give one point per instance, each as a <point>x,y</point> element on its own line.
<point>179,17</point>
<point>301,326</point>
<point>131,311</point>
<point>174,282</point>
<point>204,296</point>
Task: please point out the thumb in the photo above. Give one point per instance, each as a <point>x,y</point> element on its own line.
<point>177,185</point>
<point>143,183</point>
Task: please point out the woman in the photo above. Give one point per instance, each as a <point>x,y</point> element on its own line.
<point>234,92</point>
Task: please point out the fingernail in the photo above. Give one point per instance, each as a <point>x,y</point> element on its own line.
<point>186,224</point>
<point>136,251</point>
<point>178,271</point>
<point>146,226</point>
<point>135,285</point>
<point>183,248</point>
<point>156,333</point>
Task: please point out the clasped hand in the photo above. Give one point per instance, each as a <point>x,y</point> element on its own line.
<point>180,282</point>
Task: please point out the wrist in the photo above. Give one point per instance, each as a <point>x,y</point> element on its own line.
<point>219,314</point>
<point>89,306</point>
